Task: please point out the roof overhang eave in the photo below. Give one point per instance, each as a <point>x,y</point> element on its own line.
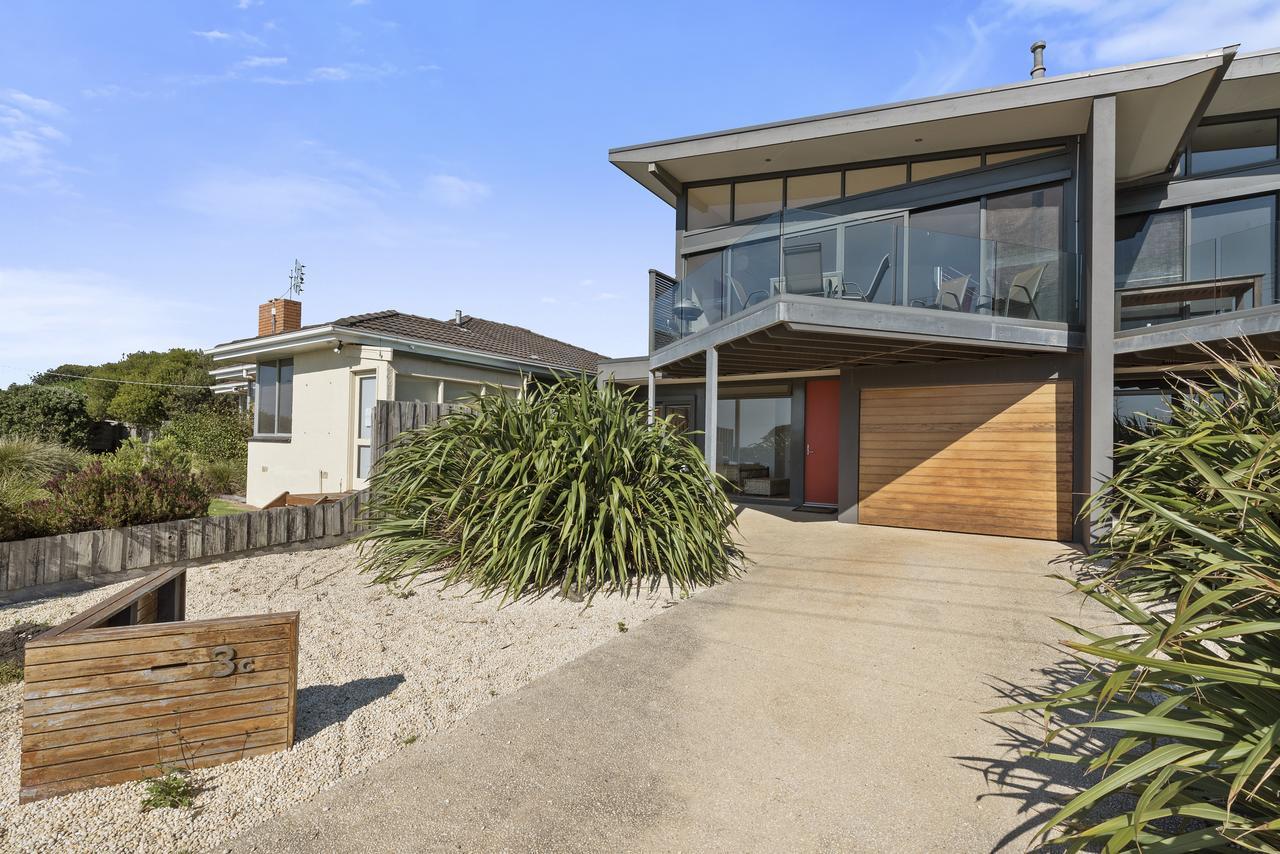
<point>319,337</point>
<point>938,111</point>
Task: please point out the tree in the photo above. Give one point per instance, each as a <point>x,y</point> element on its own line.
<point>45,412</point>
<point>145,389</point>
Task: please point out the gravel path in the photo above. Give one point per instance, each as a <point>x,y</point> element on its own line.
<point>375,671</point>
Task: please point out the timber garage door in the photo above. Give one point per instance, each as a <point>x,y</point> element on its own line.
<point>983,459</point>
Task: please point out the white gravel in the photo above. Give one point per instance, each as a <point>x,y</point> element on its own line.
<point>375,671</point>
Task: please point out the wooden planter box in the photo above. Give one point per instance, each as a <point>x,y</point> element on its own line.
<point>128,689</point>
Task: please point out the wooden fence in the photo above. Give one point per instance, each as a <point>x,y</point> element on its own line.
<point>393,417</point>
<point>88,555</point>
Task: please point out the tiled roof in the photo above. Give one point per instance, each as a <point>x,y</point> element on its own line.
<point>476,333</point>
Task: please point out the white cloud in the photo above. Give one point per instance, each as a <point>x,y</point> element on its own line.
<point>262,61</point>
<point>933,76</point>
<point>330,73</point>
<point>456,192</point>
<point>31,104</point>
<point>246,4</point>
<point>1122,31</point>
<point>279,200</point>
<point>28,141</point>
<point>212,35</point>
<point>57,316</point>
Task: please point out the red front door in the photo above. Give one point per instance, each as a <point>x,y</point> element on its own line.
<point>821,441</point>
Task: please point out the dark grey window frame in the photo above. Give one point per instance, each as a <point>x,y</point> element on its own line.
<point>1185,211</point>
<point>257,395</point>
<point>1067,145</point>
<point>1186,169</point>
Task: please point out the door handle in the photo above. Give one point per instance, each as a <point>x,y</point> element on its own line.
<point>808,451</point>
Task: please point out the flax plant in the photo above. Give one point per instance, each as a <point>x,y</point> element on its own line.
<point>1188,686</point>
<point>568,489</point>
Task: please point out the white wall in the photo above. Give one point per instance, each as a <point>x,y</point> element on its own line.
<point>320,454</point>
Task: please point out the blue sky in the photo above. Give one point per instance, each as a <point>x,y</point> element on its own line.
<point>162,163</point>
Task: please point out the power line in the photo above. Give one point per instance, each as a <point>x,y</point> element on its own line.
<point>121,382</point>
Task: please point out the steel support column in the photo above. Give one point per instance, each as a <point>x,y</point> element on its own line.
<point>1099,305</point>
<point>653,397</point>
<point>713,407</point>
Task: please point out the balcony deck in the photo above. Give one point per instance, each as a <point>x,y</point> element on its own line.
<point>790,332</point>
<point>1186,341</point>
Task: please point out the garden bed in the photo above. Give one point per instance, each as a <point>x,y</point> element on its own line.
<point>376,673</point>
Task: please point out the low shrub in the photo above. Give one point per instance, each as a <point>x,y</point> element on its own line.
<point>1188,685</point>
<point>225,477</point>
<point>136,455</point>
<point>26,464</point>
<point>100,497</point>
<point>568,487</point>
<point>216,433</point>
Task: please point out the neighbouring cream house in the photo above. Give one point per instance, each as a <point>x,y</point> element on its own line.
<point>313,388</point>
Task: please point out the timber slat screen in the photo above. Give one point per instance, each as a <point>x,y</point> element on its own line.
<point>980,459</point>
<point>393,417</point>
<point>89,554</point>
<point>128,689</point>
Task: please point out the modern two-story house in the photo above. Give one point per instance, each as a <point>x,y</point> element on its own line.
<point>929,314</point>
<point>313,389</point>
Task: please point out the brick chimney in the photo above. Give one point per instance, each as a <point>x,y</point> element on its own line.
<point>279,315</point>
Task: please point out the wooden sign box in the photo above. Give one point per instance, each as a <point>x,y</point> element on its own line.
<point>128,689</point>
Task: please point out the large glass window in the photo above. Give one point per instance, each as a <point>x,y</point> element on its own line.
<point>1149,249</point>
<point>1023,232</point>
<point>806,190</point>
<point>368,400</point>
<point>1235,238</point>
<point>273,398</point>
<point>1231,144</point>
<point>922,170</point>
<point>753,269</point>
<point>872,261</point>
<point>418,389</point>
<point>753,443</point>
<point>858,181</point>
<point>708,207</point>
<point>455,392</point>
<point>944,260</point>
<point>995,157</point>
<point>754,199</point>
<point>809,262</point>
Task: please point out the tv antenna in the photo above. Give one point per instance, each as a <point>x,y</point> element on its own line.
<point>296,276</point>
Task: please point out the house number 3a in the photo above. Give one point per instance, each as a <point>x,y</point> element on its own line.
<point>225,662</point>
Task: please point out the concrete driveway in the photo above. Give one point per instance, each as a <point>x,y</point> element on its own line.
<point>829,700</point>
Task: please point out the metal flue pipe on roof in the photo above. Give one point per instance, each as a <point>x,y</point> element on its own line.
<point>1037,52</point>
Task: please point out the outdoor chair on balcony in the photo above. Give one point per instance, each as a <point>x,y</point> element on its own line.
<point>953,294</point>
<point>852,290</point>
<point>802,270</point>
<point>1023,291</point>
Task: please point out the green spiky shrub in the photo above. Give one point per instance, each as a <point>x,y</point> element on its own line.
<point>26,465</point>
<point>567,488</point>
<point>1188,687</point>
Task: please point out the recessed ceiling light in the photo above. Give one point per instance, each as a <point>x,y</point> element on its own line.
<point>919,139</point>
<point>768,160</point>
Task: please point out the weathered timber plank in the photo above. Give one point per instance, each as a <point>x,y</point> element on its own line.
<point>49,790</point>
<point>181,720</point>
<point>152,756</point>
<point>85,722</point>
<point>163,737</point>
<point>146,660</point>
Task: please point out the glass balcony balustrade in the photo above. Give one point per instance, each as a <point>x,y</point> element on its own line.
<point>892,261</point>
